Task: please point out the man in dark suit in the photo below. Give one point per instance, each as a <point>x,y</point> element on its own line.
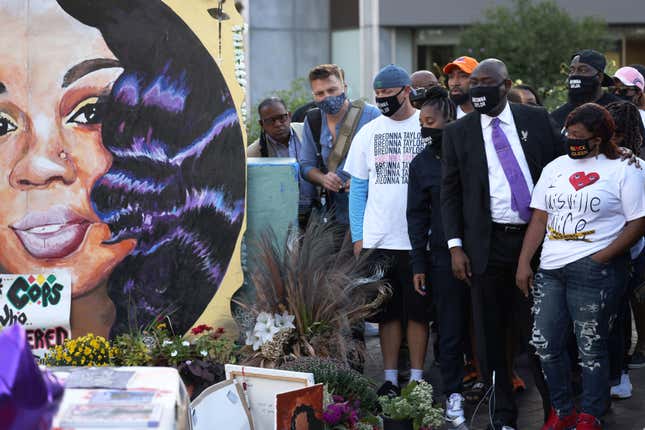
<point>491,160</point>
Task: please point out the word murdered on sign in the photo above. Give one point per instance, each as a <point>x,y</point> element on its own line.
<point>41,304</point>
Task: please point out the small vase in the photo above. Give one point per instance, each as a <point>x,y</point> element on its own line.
<point>390,424</point>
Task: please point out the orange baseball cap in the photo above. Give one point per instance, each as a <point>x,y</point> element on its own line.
<point>465,64</point>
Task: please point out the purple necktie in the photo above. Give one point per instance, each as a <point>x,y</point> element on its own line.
<point>520,195</point>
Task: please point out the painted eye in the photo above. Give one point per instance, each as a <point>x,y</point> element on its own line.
<point>88,112</point>
<point>6,125</point>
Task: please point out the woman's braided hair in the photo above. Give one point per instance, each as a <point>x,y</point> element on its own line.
<point>438,97</point>
<point>628,124</point>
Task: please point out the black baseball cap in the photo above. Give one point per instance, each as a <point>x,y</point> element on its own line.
<point>596,60</point>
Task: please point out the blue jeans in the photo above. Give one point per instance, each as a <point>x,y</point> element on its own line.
<point>584,294</point>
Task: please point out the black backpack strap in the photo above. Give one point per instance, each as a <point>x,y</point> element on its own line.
<point>264,150</point>
<point>314,118</point>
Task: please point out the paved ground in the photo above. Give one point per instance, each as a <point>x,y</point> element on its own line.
<point>624,415</point>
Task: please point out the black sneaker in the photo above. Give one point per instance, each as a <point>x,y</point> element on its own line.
<point>637,360</point>
<point>388,389</point>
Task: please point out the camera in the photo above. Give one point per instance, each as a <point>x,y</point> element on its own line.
<point>418,96</point>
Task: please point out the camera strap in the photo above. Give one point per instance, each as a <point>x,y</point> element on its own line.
<point>346,133</point>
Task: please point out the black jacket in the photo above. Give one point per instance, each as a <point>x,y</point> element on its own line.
<point>560,114</point>
<point>465,195</point>
<point>424,209</point>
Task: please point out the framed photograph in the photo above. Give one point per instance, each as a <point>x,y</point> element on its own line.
<point>300,409</point>
<point>261,387</point>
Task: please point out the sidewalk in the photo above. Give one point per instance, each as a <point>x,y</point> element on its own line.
<point>624,415</point>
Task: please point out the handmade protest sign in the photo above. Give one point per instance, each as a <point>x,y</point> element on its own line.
<point>41,304</point>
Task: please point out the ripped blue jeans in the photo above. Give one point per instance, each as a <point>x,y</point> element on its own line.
<point>583,294</point>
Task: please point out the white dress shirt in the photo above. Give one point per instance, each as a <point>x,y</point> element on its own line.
<point>500,189</point>
<point>460,112</point>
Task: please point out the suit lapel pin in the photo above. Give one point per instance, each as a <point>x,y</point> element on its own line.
<point>525,135</point>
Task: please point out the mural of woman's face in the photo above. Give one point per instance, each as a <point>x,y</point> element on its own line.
<point>54,73</point>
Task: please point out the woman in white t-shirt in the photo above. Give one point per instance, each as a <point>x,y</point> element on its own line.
<point>591,206</point>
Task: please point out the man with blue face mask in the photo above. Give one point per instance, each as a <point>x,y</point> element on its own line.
<point>328,133</point>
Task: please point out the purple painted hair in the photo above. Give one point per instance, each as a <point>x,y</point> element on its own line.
<point>177,179</point>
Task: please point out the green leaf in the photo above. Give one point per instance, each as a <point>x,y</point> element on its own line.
<point>408,389</point>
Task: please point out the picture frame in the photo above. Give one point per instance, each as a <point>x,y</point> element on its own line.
<point>224,403</point>
<point>261,387</point>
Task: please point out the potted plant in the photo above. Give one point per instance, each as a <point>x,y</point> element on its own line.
<point>412,410</point>
<point>309,293</point>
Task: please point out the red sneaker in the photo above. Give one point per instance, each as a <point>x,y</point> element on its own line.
<point>588,422</point>
<point>556,423</point>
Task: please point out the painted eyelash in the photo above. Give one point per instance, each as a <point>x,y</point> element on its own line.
<point>9,118</point>
<point>98,101</point>
<point>81,105</point>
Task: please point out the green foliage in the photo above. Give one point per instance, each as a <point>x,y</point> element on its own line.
<point>339,379</point>
<point>415,403</point>
<point>298,94</point>
<point>536,41</point>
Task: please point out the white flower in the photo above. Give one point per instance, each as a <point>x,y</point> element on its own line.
<point>284,321</point>
<point>166,342</point>
<point>203,352</point>
<point>264,318</point>
<point>185,343</point>
<point>265,331</point>
<point>173,354</point>
<point>253,340</point>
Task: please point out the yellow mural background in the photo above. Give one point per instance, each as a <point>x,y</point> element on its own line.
<point>195,14</point>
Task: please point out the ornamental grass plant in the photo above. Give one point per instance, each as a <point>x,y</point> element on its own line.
<point>315,279</point>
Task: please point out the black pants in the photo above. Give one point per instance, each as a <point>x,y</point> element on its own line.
<point>620,336</point>
<point>499,310</point>
<point>452,300</point>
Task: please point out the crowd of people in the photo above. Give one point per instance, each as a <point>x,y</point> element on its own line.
<point>514,230</point>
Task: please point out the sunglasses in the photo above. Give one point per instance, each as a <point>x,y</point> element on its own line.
<point>275,119</point>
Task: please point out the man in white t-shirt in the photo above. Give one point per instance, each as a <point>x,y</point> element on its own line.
<point>378,162</point>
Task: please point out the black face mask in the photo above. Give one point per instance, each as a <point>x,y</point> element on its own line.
<point>459,99</point>
<point>578,148</point>
<point>431,136</point>
<point>389,105</point>
<point>623,94</point>
<point>485,99</point>
<point>582,89</point>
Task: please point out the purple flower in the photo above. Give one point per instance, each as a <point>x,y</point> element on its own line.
<point>332,415</point>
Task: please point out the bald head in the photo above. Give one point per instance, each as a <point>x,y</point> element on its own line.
<point>489,85</point>
<point>423,79</point>
<point>493,68</point>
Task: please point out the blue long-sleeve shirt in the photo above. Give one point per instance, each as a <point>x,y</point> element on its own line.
<point>308,159</point>
<point>357,203</point>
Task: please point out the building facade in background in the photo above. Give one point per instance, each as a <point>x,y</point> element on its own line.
<point>287,37</point>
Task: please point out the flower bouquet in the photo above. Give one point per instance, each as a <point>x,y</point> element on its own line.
<point>199,356</point>
<point>342,414</point>
<point>413,409</point>
<point>315,282</point>
<point>271,334</point>
<point>88,350</point>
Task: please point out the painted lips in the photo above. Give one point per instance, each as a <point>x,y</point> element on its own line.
<point>52,234</point>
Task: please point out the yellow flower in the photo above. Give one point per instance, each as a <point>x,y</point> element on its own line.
<point>87,351</point>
